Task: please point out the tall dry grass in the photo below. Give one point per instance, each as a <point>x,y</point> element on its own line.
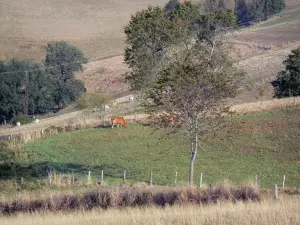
<point>122,197</point>
<point>286,210</point>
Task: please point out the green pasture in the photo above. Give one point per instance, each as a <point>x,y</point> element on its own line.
<point>266,145</point>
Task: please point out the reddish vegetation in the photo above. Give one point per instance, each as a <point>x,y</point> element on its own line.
<point>125,197</point>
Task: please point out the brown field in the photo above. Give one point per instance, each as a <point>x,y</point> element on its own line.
<point>286,210</point>
<point>96,26</point>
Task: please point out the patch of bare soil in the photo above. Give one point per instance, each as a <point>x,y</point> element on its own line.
<point>105,76</point>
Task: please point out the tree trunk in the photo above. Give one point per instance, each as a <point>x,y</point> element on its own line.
<point>194,147</point>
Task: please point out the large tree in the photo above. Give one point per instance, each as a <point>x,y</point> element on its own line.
<point>25,89</point>
<point>179,63</point>
<point>287,83</point>
<point>62,62</point>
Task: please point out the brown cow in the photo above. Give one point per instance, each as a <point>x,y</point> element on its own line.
<point>119,121</point>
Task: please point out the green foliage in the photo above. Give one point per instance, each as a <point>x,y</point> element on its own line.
<point>287,83</point>
<point>23,119</point>
<point>247,11</point>
<point>179,62</point>
<point>172,4</point>
<point>92,101</point>
<point>62,61</point>
<point>13,84</point>
<point>7,157</point>
<point>155,37</point>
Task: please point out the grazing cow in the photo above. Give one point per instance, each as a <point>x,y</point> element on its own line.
<point>172,119</point>
<point>117,120</point>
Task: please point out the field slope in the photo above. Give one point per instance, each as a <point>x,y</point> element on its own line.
<point>265,144</point>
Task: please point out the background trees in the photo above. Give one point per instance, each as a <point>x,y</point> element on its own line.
<point>14,80</point>
<point>179,64</point>
<point>28,88</point>
<point>249,10</point>
<point>62,61</point>
<point>287,83</point>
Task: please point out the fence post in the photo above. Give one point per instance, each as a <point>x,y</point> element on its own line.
<point>124,177</point>
<point>175,182</point>
<point>283,181</point>
<point>150,179</point>
<point>256,180</point>
<point>22,180</point>
<point>201,179</point>
<point>276,191</point>
<point>73,179</point>
<point>50,178</point>
<point>101,178</point>
<point>89,178</point>
<point>210,187</point>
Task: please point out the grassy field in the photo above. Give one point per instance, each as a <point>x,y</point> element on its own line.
<point>264,144</point>
<point>268,212</point>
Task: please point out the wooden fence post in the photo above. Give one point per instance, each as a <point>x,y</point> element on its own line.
<point>150,179</point>
<point>101,178</point>
<point>73,179</point>
<point>175,182</point>
<point>124,177</point>
<point>276,191</point>
<point>256,180</point>
<point>89,178</point>
<point>201,179</point>
<point>50,178</point>
<point>283,182</point>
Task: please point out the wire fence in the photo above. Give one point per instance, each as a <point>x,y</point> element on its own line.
<point>264,179</point>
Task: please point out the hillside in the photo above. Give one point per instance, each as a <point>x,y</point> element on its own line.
<point>256,144</point>
<point>96,27</point>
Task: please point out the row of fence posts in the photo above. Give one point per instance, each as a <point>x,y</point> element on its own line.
<point>101,181</point>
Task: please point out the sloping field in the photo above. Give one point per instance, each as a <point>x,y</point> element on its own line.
<point>257,144</point>
<point>96,26</point>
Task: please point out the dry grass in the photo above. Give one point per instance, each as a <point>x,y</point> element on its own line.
<point>105,76</point>
<point>114,196</point>
<point>263,106</point>
<point>268,212</point>
<point>95,26</point>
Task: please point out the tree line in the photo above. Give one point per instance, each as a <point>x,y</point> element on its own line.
<point>29,88</point>
<point>245,11</point>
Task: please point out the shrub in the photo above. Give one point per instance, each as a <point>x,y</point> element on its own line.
<point>23,119</point>
<point>126,197</point>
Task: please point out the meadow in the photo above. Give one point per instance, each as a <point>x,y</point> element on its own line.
<point>263,144</point>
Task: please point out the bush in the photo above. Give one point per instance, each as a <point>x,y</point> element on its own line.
<point>22,119</point>
<point>92,101</point>
<point>135,197</point>
<point>287,83</point>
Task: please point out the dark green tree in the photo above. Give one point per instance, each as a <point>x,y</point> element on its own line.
<point>17,77</point>
<point>256,10</point>
<point>179,64</point>
<point>172,4</point>
<point>287,83</point>
<point>62,62</point>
